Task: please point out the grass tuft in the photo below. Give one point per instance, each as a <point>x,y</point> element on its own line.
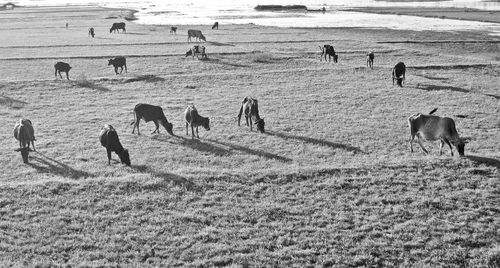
<point>82,81</point>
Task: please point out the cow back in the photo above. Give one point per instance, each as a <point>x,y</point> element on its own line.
<point>62,66</point>
<point>149,112</point>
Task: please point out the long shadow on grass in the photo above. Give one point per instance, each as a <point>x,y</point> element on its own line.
<point>167,177</point>
<point>10,102</point>
<point>252,151</point>
<point>427,87</point>
<point>218,61</point>
<point>46,164</point>
<point>492,162</point>
<point>317,142</point>
<point>201,146</point>
<point>494,96</point>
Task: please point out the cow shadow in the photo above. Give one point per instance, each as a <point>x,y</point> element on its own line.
<point>12,103</point>
<point>427,87</point>
<point>330,144</point>
<point>218,61</point>
<point>492,162</point>
<point>45,164</point>
<point>167,177</point>
<point>204,147</point>
<point>434,77</point>
<point>252,151</point>
<point>494,96</point>
<point>220,44</point>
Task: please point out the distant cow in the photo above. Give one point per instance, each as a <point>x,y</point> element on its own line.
<point>431,127</point>
<point>398,73</point>
<point>25,134</point>
<point>173,30</point>
<point>197,50</point>
<point>330,51</point>
<point>62,67</point>
<point>216,25</point>
<point>250,107</point>
<point>109,139</point>
<point>197,34</point>
<point>369,59</point>
<point>153,113</point>
<point>91,32</point>
<point>195,120</point>
<point>118,62</point>
<point>117,26</point>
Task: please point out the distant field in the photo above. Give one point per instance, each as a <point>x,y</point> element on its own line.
<point>331,183</point>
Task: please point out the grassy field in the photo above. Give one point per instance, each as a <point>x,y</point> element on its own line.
<point>331,183</point>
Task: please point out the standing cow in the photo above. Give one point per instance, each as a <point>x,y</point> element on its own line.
<point>369,59</point>
<point>196,51</point>
<point>25,134</point>
<point>197,34</point>
<point>195,120</point>
<point>117,26</point>
<point>250,107</point>
<point>330,51</point>
<point>62,67</point>
<point>153,113</point>
<point>109,139</point>
<point>118,62</point>
<point>398,73</point>
<point>91,32</point>
<point>173,30</point>
<point>216,25</point>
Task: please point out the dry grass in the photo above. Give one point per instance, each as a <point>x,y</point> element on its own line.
<point>331,183</point>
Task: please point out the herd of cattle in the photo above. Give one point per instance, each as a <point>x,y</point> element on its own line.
<point>423,126</point>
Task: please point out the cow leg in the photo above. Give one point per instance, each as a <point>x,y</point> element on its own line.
<point>33,144</point>
<point>198,136</point>
<point>412,137</point>
<point>55,73</point>
<point>109,155</point>
<point>60,74</point>
<point>192,131</point>
<point>157,127</point>
<point>126,68</point>
<point>136,125</point>
<point>449,144</point>
<point>187,132</point>
<point>67,75</point>
<point>116,70</point>
<point>250,119</point>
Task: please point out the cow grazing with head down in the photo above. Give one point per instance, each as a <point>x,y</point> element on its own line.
<point>117,26</point>
<point>330,51</point>
<point>250,107</point>
<point>196,51</point>
<point>91,32</point>
<point>195,120</point>
<point>25,134</point>
<point>369,59</point>
<point>197,34</point>
<point>109,139</point>
<point>118,62</point>
<point>62,67</point>
<point>173,30</point>
<point>153,113</point>
<point>431,128</point>
<point>398,73</point>
<point>216,25</point>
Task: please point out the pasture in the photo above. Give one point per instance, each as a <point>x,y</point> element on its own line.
<point>332,182</point>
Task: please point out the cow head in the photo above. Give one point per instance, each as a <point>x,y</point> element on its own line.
<point>189,53</point>
<point>260,125</point>
<point>202,37</point>
<point>206,123</point>
<point>125,158</point>
<point>335,58</point>
<point>111,30</point>
<point>460,145</point>
<point>24,154</point>
<point>399,81</point>
<point>168,126</point>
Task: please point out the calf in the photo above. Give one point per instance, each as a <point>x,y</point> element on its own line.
<point>330,51</point>
<point>153,113</point>
<point>195,120</point>
<point>118,62</point>
<point>91,32</point>
<point>250,107</point>
<point>216,25</point>
<point>24,133</point>
<point>431,127</point>
<point>173,30</point>
<point>62,67</point>
<point>369,59</point>
<point>109,139</point>
<point>117,26</point>
<point>197,50</point>
<point>398,73</point>
<point>197,34</point>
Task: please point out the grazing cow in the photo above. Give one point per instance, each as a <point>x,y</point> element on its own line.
<point>398,73</point>
<point>118,62</point>
<point>109,139</point>
<point>369,59</point>
<point>197,50</point>
<point>153,113</point>
<point>330,51</point>
<point>91,32</point>
<point>24,133</point>
<point>62,67</point>
<point>197,34</point>
<point>432,127</point>
<point>195,120</point>
<point>173,30</point>
<point>216,25</point>
<point>250,107</point>
<point>117,26</point>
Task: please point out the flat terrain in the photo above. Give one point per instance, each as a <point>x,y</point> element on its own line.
<point>332,182</point>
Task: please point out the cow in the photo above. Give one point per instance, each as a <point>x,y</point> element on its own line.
<point>216,25</point>
<point>250,107</point>
<point>197,34</point>
<point>173,30</point>
<point>153,113</point>
<point>431,128</point>
<point>118,62</point>
<point>197,50</point>
<point>195,120</point>
<point>62,67</point>
<point>25,134</point>
<point>117,26</point>
<point>398,73</point>
<point>369,59</point>
<point>330,51</point>
<point>91,32</point>
<point>109,139</point>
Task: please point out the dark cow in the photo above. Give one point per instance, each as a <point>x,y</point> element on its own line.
<point>196,51</point>
<point>109,139</point>
<point>25,134</point>
<point>431,128</point>
<point>369,59</point>
<point>330,51</point>
<point>216,25</point>
<point>197,34</point>
<point>153,113</point>
<point>117,26</point>
<point>398,73</point>
<point>91,32</point>
<point>118,62</point>
<point>250,107</point>
<point>195,120</point>
<point>173,30</point>
<point>62,67</point>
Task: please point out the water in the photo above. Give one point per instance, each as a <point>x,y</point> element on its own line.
<point>194,12</point>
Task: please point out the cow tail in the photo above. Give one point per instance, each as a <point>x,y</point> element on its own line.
<point>433,110</point>
<point>135,118</point>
